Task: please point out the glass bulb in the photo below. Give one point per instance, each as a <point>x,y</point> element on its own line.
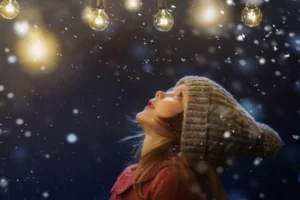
<point>99,20</point>
<point>251,15</point>
<point>9,9</point>
<point>163,20</point>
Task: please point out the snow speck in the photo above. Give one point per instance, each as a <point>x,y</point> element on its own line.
<point>296,137</point>
<point>11,59</point>
<point>75,111</point>
<point>236,176</point>
<point>226,134</point>
<point>47,156</point>
<point>261,195</point>
<point>71,138</point>
<point>27,133</point>
<point>45,194</point>
<point>220,169</point>
<point>19,121</point>
<point>1,88</point>
<point>229,162</point>
<point>3,182</point>
<point>262,61</point>
<point>257,161</point>
<point>10,95</point>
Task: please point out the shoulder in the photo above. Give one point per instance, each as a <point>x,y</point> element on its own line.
<point>128,171</point>
<point>124,180</point>
<point>170,183</point>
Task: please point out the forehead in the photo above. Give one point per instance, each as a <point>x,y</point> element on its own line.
<point>181,87</point>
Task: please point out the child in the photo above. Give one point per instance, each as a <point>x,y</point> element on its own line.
<point>189,131</point>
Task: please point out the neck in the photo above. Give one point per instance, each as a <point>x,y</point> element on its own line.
<point>150,142</point>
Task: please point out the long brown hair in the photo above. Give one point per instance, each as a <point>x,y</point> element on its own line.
<point>169,148</point>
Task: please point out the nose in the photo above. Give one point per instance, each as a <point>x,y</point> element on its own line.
<point>158,94</point>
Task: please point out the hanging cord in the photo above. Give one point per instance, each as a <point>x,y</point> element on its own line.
<point>101,4</point>
<point>162,4</point>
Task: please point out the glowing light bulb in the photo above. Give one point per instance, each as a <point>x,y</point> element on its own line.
<point>251,15</point>
<point>99,20</point>
<point>163,20</point>
<point>9,9</point>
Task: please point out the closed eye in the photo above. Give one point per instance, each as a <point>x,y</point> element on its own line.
<point>172,89</point>
<point>180,95</point>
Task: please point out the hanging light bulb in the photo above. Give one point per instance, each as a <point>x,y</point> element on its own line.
<point>251,15</point>
<point>99,19</point>
<point>163,20</point>
<point>9,9</point>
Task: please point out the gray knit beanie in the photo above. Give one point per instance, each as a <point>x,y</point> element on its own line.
<point>215,125</point>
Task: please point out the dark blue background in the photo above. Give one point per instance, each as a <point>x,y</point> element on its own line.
<point>110,74</point>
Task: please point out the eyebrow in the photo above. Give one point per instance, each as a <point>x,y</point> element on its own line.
<point>171,89</point>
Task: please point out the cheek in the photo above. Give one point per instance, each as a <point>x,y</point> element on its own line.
<point>167,110</point>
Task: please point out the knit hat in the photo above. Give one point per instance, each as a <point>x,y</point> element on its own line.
<point>216,125</point>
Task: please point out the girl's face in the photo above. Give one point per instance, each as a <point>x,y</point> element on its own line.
<point>166,104</point>
<point>170,103</point>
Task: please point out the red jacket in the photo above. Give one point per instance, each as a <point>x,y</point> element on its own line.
<point>159,184</point>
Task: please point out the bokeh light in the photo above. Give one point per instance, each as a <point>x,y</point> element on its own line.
<point>3,182</point>
<point>140,51</point>
<point>235,194</point>
<point>245,65</point>
<point>11,59</point>
<point>208,16</point>
<point>253,108</point>
<point>20,154</point>
<point>21,28</point>
<point>147,68</point>
<point>297,86</point>
<point>37,52</point>
<point>86,14</point>
<point>133,5</point>
<point>71,138</point>
<point>294,41</point>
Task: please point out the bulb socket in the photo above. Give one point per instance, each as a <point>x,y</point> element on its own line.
<point>101,4</point>
<point>162,4</point>
<point>250,5</point>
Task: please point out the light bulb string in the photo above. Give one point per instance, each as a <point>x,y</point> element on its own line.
<point>162,4</point>
<point>101,4</point>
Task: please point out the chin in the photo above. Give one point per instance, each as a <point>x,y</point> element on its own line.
<point>142,117</point>
<point>139,117</point>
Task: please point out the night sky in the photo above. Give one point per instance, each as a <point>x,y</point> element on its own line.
<point>59,131</point>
